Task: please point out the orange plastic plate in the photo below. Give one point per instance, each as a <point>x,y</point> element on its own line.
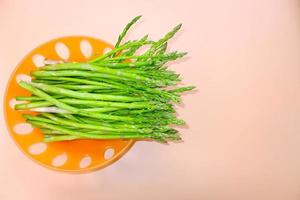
<point>68,156</point>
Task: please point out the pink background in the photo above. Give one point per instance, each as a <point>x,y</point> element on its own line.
<point>243,140</point>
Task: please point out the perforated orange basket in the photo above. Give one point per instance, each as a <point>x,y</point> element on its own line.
<point>68,156</point>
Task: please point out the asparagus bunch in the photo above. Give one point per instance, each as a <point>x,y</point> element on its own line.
<point>121,94</point>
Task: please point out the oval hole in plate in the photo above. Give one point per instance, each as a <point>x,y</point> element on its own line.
<point>37,148</point>
<point>60,160</point>
<point>14,102</point>
<point>62,50</point>
<point>109,153</point>
<point>23,128</point>
<point>85,162</point>
<point>107,49</point>
<point>38,60</point>
<point>23,77</point>
<point>86,48</point>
